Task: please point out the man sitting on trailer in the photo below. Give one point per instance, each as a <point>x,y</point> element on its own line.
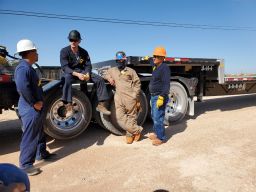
<point>76,64</point>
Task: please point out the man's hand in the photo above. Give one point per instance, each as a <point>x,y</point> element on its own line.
<point>38,105</point>
<point>111,81</point>
<point>80,76</point>
<point>86,77</point>
<point>138,105</point>
<point>160,101</point>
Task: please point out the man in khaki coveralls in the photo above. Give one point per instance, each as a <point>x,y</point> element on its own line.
<point>126,98</point>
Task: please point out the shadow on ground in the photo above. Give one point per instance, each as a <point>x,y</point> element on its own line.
<point>10,135</point>
<point>221,104</point>
<point>10,132</point>
<point>225,104</point>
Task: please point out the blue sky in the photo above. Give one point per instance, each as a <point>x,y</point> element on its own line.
<point>102,40</point>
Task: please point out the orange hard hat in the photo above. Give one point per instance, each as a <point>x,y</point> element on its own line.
<point>160,51</point>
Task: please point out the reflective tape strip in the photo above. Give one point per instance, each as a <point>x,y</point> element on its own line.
<point>5,78</point>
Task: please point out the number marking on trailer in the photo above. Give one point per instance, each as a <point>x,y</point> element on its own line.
<point>207,68</point>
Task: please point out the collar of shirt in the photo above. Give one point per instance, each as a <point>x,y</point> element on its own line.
<point>24,62</point>
<point>124,71</point>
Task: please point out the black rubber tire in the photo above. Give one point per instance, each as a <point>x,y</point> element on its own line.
<point>59,127</point>
<point>177,105</point>
<point>110,122</point>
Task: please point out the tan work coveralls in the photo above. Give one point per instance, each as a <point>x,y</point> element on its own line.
<point>127,85</point>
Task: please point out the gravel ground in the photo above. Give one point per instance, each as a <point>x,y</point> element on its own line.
<point>213,151</point>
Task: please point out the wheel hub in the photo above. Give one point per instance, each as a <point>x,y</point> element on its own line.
<point>59,118</point>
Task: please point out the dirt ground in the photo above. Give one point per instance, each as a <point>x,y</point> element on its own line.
<point>213,151</point>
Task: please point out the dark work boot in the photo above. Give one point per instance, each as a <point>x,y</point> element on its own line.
<point>69,109</point>
<point>101,108</point>
<point>47,156</point>
<point>31,171</point>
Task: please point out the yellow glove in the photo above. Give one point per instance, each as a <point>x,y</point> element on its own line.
<point>160,101</point>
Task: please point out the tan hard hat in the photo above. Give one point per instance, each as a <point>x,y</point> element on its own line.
<point>160,51</point>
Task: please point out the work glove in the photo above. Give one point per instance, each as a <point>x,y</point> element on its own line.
<point>160,101</point>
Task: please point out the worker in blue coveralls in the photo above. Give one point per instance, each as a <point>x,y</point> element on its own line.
<point>76,65</point>
<point>30,106</point>
<point>159,89</point>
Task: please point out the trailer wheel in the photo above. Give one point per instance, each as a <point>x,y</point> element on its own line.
<point>177,105</point>
<point>110,122</point>
<point>57,125</point>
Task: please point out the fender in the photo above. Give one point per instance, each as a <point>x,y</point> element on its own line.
<point>190,86</point>
<point>51,86</point>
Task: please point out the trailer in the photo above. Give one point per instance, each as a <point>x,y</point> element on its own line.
<point>191,79</point>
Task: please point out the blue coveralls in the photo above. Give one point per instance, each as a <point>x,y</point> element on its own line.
<point>80,63</point>
<point>33,142</point>
<point>159,86</point>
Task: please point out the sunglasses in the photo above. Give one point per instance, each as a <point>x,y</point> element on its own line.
<point>158,57</point>
<point>73,40</point>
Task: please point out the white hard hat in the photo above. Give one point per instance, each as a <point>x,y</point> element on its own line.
<point>25,45</point>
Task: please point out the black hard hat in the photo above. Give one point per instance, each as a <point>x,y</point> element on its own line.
<point>74,35</point>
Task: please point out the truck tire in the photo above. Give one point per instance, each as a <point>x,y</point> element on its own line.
<point>177,105</point>
<point>110,123</point>
<point>57,125</point>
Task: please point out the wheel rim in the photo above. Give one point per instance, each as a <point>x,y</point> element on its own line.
<point>63,123</point>
<point>173,107</point>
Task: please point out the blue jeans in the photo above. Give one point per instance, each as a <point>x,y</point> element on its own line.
<point>157,115</point>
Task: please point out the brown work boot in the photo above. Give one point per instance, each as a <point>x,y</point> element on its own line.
<point>152,136</point>
<point>137,137</point>
<point>157,142</point>
<point>69,109</point>
<point>129,139</point>
<point>101,108</point>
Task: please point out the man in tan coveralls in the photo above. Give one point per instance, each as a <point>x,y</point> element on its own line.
<point>126,97</point>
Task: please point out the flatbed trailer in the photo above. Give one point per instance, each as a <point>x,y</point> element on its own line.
<point>191,79</point>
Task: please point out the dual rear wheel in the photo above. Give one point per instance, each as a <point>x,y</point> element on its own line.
<point>58,126</point>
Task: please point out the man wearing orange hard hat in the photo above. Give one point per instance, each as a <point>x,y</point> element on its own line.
<point>159,89</point>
